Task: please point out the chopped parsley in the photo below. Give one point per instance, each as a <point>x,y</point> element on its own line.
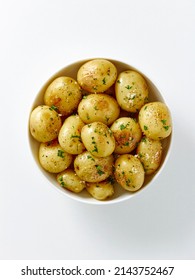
<point>99,169</point>
<point>128,87</point>
<point>166,127</point>
<point>61,153</point>
<point>53,107</point>
<point>164,121</point>
<point>104,81</point>
<point>75,136</point>
<point>145,127</point>
<point>122,126</point>
<point>90,157</point>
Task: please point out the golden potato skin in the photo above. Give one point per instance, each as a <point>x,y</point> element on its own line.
<point>53,158</point>
<point>69,180</point>
<point>129,172</point>
<point>131,91</point>
<point>98,139</point>
<point>127,134</point>
<point>65,94</point>
<point>98,108</point>
<point>93,169</point>
<point>100,191</point>
<point>70,135</point>
<point>45,123</point>
<point>155,120</point>
<point>97,75</point>
<point>150,154</point>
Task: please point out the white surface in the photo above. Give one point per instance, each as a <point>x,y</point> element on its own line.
<point>38,38</point>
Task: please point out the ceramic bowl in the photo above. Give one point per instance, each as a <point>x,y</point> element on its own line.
<point>120,194</point>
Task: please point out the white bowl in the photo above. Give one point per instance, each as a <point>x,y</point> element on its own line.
<point>120,194</point>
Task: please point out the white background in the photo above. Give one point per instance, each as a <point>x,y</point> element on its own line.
<point>40,37</point>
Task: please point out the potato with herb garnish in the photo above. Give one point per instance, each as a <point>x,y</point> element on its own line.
<point>100,191</point>
<point>65,94</point>
<point>45,123</point>
<point>93,169</point>
<point>150,154</point>
<point>129,172</point>
<point>98,108</point>
<point>70,135</point>
<point>53,158</point>
<point>98,139</point>
<point>131,91</point>
<point>69,180</point>
<point>127,134</point>
<point>155,120</point>
<point>97,75</point>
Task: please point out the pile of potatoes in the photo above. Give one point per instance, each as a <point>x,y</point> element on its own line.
<point>100,129</point>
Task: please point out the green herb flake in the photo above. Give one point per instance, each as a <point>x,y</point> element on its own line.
<point>53,107</point>
<point>104,81</point>
<point>122,126</point>
<point>128,87</point>
<point>111,180</point>
<point>75,136</point>
<point>99,170</point>
<point>95,150</point>
<point>140,155</point>
<point>166,127</point>
<point>145,127</point>
<point>164,121</point>
<point>90,157</point>
<point>143,139</point>
<point>61,153</point>
<point>118,81</point>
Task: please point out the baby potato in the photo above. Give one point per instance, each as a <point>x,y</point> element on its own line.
<point>64,93</point>
<point>129,172</point>
<point>98,139</point>
<point>93,169</point>
<point>53,158</point>
<point>150,153</point>
<point>100,191</point>
<point>131,91</point>
<point>69,180</point>
<point>155,120</point>
<point>97,75</point>
<point>70,135</point>
<point>98,108</point>
<point>45,123</point>
<point>127,134</point>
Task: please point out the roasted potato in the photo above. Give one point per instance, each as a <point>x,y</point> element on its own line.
<point>93,169</point>
<point>70,135</point>
<point>97,75</point>
<point>45,123</point>
<point>129,172</point>
<point>150,154</point>
<point>69,180</point>
<point>155,120</point>
<point>53,158</point>
<point>98,139</point>
<point>64,93</point>
<point>100,191</point>
<point>127,134</point>
<point>131,91</point>
<point>98,108</point>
